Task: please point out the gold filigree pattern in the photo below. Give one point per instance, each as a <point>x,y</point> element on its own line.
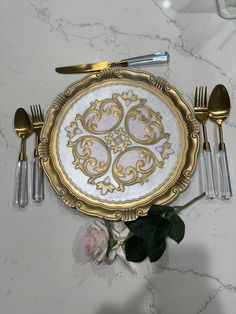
<point>105,186</point>
<point>118,140</point>
<point>87,159</point>
<point>134,165</point>
<point>143,117</point>
<point>144,163</point>
<point>129,97</point>
<point>73,130</point>
<point>165,150</point>
<point>102,116</point>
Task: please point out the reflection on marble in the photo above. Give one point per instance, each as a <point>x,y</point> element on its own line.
<point>42,266</point>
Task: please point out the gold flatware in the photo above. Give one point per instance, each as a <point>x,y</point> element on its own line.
<point>201,114</point>
<point>155,58</point>
<point>38,177</point>
<point>219,109</point>
<point>23,128</point>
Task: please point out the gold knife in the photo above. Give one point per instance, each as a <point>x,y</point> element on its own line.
<point>155,58</point>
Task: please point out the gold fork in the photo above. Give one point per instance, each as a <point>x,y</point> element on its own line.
<point>38,178</point>
<point>201,114</point>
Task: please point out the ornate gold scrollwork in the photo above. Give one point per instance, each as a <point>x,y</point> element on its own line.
<point>143,161</point>
<point>147,120</point>
<point>91,156</point>
<point>117,140</point>
<point>141,123</point>
<point>102,116</point>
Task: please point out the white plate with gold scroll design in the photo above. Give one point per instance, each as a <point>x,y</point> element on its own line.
<point>117,141</point>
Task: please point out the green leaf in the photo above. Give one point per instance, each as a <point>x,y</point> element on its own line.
<point>135,249</point>
<point>150,233</point>
<point>156,244</point>
<point>151,244</point>
<point>136,224</point>
<point>177,229</point>
<point>155,253</point>
<point>143,226</point>
<point>157,210</point>
<point>159,233</point>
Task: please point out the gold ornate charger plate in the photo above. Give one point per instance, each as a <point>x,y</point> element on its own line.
<point>118,140</point>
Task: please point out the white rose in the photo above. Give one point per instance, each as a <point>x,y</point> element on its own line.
<point>96,242</point>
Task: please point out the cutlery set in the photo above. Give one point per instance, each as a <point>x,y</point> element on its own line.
<point>217,109</point>
<point>24,126</point>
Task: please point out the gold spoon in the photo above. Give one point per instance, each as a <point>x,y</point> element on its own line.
<point>23,128</point>
<point>219,109</point>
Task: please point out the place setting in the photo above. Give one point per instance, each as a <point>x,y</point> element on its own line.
<point>25,124</point>
<point>216,109</point>
<point>120,145</point>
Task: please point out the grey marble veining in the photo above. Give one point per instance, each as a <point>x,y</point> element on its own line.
<point>43,268</point>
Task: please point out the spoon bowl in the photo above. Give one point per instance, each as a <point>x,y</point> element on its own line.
<point>219,104</point>
<point>22,123</point>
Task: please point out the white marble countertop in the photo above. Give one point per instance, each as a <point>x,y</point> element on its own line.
<point>41,270</point>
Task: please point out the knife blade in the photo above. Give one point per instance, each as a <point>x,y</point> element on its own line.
<point>155,58</point>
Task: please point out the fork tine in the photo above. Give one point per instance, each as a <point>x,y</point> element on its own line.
<point>199,97</point>
<point>32,114</point>
<point>37,106</point>
<point>205,98</point>
<point>196,98</point>
<point>35,113</point>
<point>38,115</point>
<point>41,114</point>
<point>202,97</point>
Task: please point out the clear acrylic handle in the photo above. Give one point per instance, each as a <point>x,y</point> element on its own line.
<point>21,197</point>
<point>210,180</point>
<point>225,185</point>
<point>38,180</point>
<point>158,57</point>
